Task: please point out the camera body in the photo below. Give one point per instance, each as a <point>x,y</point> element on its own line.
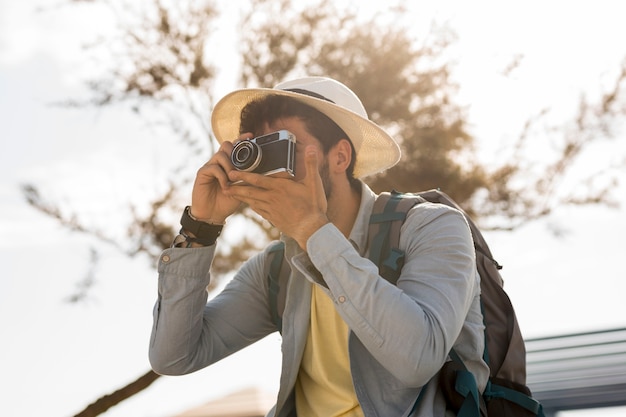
<point>271,154</point>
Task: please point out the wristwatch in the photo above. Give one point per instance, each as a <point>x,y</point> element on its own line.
<point>203,233</point>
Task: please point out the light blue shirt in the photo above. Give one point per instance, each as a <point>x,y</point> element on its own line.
<point>400,335</point>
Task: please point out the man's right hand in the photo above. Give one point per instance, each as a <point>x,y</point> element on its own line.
<point>209,203</point>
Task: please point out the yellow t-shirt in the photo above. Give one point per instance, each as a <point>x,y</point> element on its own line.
<point>324,387</point>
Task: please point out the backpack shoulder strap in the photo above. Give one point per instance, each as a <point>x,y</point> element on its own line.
<point>388,215</point>
<point>277,277</point>
<point>504,348</point>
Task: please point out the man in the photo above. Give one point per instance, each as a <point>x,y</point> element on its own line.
<point>353,344</point>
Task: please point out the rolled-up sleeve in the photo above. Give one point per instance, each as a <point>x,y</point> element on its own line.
<point>183,279</point>
<point>187,332</point>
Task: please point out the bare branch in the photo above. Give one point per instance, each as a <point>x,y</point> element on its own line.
<point>84,287</point>
<point>106,402</point>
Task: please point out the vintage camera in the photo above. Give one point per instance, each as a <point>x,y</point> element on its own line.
<point>271,154</point>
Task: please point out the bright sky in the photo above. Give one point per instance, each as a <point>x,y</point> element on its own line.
<point>57,357</point>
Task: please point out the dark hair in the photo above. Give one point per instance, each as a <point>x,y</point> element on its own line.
<point>267,110</point>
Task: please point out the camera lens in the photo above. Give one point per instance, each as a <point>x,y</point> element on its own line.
<point>246,155</point>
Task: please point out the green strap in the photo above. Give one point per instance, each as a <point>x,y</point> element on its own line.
<point>387,217</point>
<point>466,386</point>
<point>519,398</point>
<point>381,240</point>
<point>395,260</point>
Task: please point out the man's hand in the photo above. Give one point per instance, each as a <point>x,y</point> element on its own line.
<point>296,208</point>
<point>209,200</point>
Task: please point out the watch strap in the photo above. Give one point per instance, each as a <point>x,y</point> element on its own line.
<point>199,229</point>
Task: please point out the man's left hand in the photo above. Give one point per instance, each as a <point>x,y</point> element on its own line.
<point>296,208</point>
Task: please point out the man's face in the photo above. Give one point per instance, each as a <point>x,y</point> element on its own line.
<point>303,139</point>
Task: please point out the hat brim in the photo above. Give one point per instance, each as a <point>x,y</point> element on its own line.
<point>376,151</point>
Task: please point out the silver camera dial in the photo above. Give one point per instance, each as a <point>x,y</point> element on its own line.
<point>246,155</point>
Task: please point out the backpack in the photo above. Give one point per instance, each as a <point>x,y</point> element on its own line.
<point>506,393</point>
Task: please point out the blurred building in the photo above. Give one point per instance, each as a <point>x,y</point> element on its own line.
<point>578,371</point>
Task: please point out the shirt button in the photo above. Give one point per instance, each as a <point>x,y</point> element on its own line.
<point>165,258</point>
<point>341,299</point>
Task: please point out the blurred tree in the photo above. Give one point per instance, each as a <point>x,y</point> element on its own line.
<point>163,60</point>
<point>406,86</point>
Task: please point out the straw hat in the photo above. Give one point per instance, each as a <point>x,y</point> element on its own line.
<point>376,150</point>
